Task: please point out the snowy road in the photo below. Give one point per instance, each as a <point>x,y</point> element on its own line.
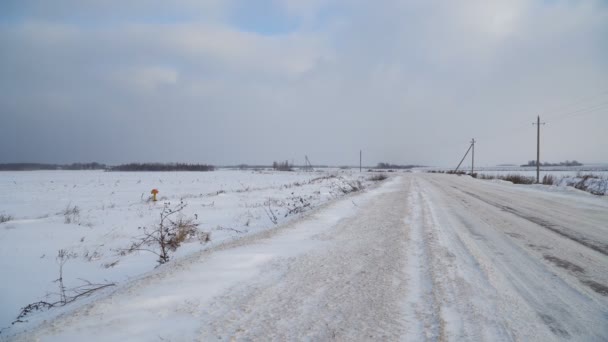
<point>423,257</point>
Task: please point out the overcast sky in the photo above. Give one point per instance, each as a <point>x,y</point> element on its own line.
<point>228,82</point>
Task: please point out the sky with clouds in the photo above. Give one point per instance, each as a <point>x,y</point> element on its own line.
<point>229,81</point>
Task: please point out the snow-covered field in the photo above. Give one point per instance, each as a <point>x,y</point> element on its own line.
<point>419,257</point>
<point>110,206</point>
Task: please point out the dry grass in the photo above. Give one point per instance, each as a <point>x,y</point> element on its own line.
<point>71,214</point>
<point>5,218</point>
<point>513,178</point>
<point>378,177</point>
<point>549,180</point>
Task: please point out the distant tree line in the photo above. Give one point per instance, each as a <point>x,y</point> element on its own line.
<point>566,163</point>
<point>84,166</point>
<point>250,167</point>
<point>394,166</point>
<point>162,167</point>
<point>261,167</point>
<point>40,166</point>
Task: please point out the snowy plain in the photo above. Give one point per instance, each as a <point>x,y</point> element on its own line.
<point>417,257</point>
<point>112,205</point>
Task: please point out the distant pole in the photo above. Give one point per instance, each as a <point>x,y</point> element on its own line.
<point>538,149</point>
<point>538,123</point>
<point>360,159</point>
<point>463,157</point>
<point>472,156</point>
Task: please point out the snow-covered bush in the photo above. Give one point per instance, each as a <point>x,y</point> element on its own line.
<point>590,183</point>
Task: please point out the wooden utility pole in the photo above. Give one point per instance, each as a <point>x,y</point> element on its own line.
<point>538,123</point>
<point>465,155</point>
<point>360,159</point>
<point>473,156</point>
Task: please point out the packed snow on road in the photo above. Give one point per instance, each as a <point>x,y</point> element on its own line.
<point>305,256</point>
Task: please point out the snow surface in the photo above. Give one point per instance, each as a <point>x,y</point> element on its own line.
<point>228,204</point>
<point>422,257</point>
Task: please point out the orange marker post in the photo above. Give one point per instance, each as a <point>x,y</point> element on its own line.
<point>154,192</point>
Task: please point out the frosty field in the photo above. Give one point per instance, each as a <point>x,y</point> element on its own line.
<point>415,257</point>
<point>112,205</point>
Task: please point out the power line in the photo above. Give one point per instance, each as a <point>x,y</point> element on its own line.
<point>556,110</point>
<point>582,111</point>
<point>564,115</point>
<point>584,105</point>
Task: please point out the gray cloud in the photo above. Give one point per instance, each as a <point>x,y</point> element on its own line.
<point>408,82</point>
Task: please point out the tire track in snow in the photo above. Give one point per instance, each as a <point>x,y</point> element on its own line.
<point>556,228</point>
<point>421,306</point>
<point>592,281</point>
<point>520,275</point>
<point>463,295</point>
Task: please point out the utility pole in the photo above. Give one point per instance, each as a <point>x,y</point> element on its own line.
<point>360,159</point>
<point>538,123</point>
<point>307,164</point>
<point>465,155</point>
<point>472,156</point>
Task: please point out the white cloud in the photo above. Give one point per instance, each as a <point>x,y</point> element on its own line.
<point>145,78</point>
<point>404,80</point>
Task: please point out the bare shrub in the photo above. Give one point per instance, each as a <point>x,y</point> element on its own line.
<point>518,179</point>
<point>66,295</point>
<point>588,182</point>
<point>168,234</point>
<point>513,178</point>
<point>186,227</point>
<point>602,189</point>
<point>5,218</point>
<point>350,186</point>
<point>62,257</point>
<point>296,205</point>
<point>204,237</point>
<point>270,213</point>
<point>71,214</point>
<point>586,175</point>
<point>591,183</point>
<point>549,180</point>
<point>343,187</point>
<point>355,185</point>
<point>378,177</point>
